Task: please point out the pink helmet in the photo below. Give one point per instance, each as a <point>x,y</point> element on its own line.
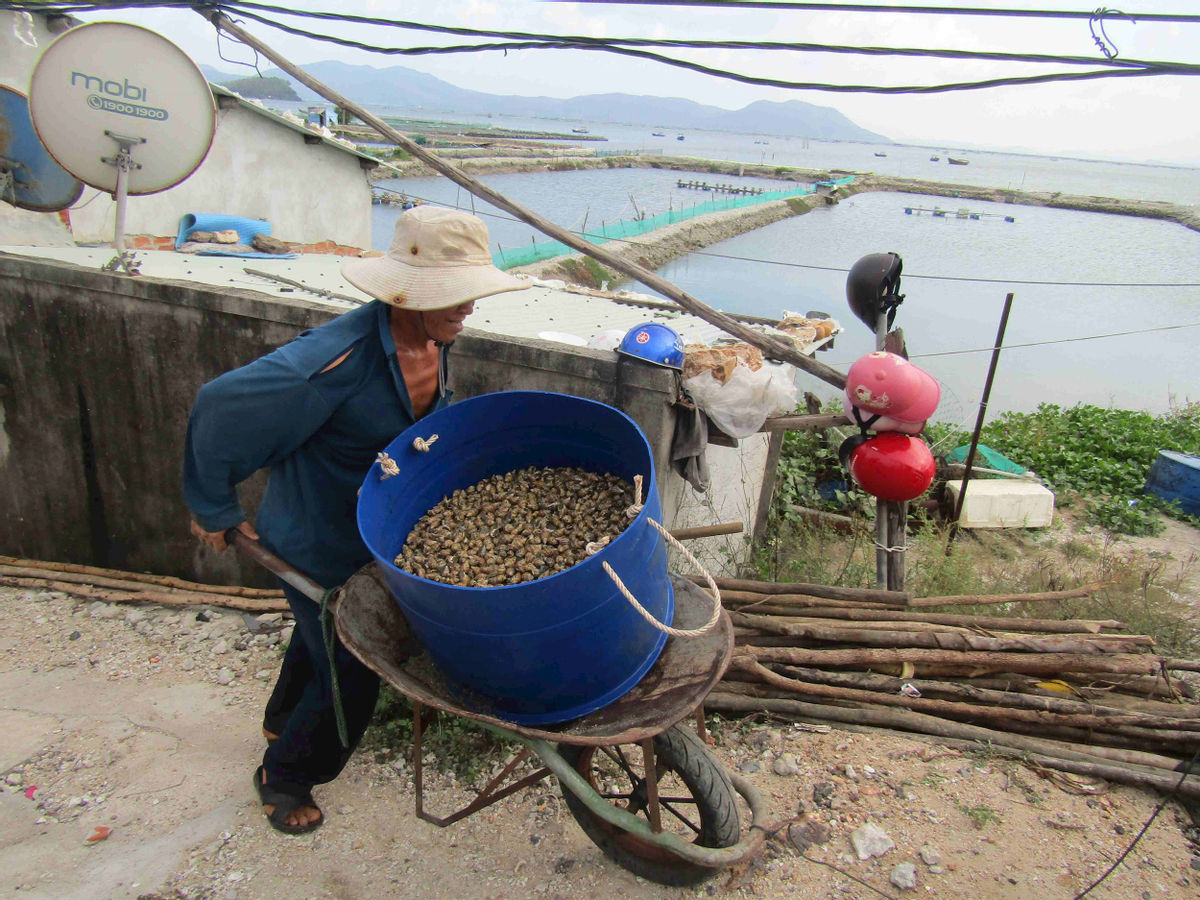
<point>873,421</point>
<point>890,385</point>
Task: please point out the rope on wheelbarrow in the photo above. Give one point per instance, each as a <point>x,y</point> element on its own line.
<point>648,616</point>
<point>329,636</point>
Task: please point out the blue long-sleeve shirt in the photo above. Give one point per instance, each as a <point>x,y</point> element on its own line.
<point>318,431</point>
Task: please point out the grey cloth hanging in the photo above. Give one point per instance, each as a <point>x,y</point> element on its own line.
<point>688,445</point>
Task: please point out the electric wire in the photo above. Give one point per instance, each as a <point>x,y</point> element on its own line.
<point>920,10</point>
<point>531,40</point>
<point>1047,343</point>
<point>575,40</point>
<point>946,87</point>
<point>1154,815</point>
<point>1118,69</point>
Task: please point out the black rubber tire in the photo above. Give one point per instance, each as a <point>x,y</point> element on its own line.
<point>684,763</point>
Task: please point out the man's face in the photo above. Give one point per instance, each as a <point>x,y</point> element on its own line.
<point>444,325</point>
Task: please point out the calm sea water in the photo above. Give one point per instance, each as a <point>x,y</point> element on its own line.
<point>1077,259</point>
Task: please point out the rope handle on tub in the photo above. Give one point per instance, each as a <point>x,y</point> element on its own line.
<point>422,445</point>
<point>648,616</point>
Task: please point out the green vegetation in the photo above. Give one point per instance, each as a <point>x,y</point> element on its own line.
<point>449,743</point>
<point>586,271</point>
<point>263,88</point>
<point>1092,457</point>
<point>1099,457</point>
<point>980,816</point>
<point>395,154</point>
<point>1095,459</point>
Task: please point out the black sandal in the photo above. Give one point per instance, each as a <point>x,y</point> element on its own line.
<point>285,804</point>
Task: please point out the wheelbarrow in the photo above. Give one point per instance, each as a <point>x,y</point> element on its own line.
<point>641,785</point>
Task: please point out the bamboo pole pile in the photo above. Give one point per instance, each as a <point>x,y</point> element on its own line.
<point>117,586</point>
<point>1081,695</point>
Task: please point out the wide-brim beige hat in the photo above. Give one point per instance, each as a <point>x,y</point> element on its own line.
<point>438,258</point>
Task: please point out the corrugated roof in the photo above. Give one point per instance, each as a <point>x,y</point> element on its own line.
<point>544,311</point>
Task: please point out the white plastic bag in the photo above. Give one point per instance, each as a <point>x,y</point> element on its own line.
<point>741,405</point>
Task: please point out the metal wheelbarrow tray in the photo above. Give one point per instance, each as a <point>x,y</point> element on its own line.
<point>628,825</point>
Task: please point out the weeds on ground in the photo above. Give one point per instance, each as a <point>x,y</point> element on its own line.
<point>1141,591</point>
<point>450,744</point>
<point>980,816</point>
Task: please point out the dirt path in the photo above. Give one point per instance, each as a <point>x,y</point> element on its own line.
<point>144,720</point>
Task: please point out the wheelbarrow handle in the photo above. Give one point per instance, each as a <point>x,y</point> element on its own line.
<point>273,563</point>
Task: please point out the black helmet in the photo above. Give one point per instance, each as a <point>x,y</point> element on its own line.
<point>873,287</point>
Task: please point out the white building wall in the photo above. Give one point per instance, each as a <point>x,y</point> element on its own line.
<point>259,169</point>
<point>23,37</point>
<point>736,482</point>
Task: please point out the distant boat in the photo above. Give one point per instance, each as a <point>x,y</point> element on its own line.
<point>955,161</point>
<point>679,137</point>
<point>658,134</point>
<point>881,154</point>
<point>580,130</point>
<point>934,158</point>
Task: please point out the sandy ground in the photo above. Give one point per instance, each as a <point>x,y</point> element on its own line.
<point>145,721</point>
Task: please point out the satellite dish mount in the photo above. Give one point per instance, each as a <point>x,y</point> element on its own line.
<point>125,164</point>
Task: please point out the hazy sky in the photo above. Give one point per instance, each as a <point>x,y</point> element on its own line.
<point>1154,118</point>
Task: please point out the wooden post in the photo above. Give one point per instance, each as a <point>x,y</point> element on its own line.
<point>774,451</point>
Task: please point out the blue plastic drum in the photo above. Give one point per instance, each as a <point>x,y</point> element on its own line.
<point>544,651</point>
<point>1175,477</point>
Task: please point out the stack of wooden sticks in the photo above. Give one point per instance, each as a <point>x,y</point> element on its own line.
<point>1080,696</point>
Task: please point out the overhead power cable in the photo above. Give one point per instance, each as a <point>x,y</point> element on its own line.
<point>746,79</point>
<point>1090,337</point>
<point>528,41</point>
<point>920,10</point>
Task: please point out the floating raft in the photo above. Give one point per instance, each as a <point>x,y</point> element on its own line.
<point>718,188</point>
<point>954,213</point>
<point>384,197</point>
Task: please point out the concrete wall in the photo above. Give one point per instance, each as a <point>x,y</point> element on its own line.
<point>98,373</point>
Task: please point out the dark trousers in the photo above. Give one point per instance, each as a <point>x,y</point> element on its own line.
<point>301,707</point>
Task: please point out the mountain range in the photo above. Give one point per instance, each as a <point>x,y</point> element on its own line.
<point>417,92</point>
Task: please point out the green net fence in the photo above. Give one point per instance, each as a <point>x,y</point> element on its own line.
<point>608,231</point>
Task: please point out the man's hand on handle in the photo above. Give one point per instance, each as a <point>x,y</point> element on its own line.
<point>215,540</point>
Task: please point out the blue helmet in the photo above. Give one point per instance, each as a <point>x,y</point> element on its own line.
<point>653,343</point>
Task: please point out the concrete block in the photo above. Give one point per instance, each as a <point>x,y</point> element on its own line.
<point>1003,503</point>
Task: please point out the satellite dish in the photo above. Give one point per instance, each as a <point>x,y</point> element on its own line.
<point>29,176</point>
<point>110,98</point>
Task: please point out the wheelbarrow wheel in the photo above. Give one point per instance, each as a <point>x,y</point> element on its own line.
<point>696,800</point>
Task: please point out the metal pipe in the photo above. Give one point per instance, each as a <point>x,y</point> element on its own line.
<point>275,565</point>
<point>983,403</point>
<point>881,506</point>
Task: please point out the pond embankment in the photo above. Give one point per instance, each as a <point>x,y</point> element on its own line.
<point>659,247</point>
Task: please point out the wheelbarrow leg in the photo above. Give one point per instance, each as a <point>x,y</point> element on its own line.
<point>650,769</point>
<point>701,725</point>
<point>491,793</point>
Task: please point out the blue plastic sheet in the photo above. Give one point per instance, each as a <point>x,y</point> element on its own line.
<point>245,228</point>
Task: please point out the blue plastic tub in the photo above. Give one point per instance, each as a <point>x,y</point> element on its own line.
<point>543,651</point>
<point>1176,477</point>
